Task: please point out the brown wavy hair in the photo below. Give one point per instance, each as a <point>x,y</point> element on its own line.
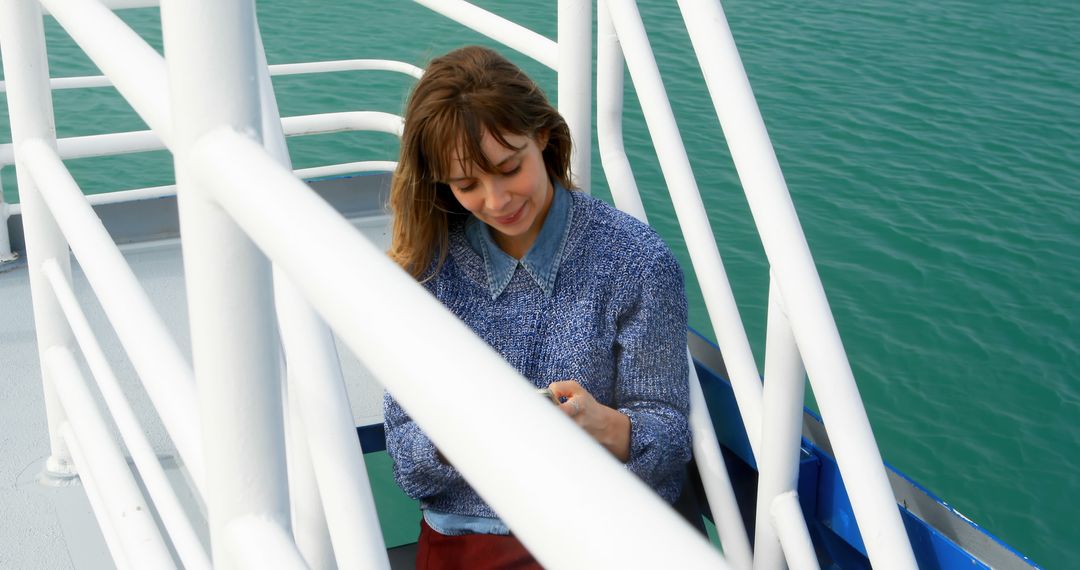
<point>462,95</point>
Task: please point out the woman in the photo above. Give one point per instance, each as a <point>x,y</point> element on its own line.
<point>577,296</point>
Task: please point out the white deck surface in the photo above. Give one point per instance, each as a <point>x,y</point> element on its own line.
<point>53,527</point>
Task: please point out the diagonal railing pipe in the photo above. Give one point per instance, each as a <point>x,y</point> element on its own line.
<point>135,68</point>
<point>800,287</point>
<point>624,191</point>
<point>785,514</point>
<point>610,66</point>
<point>96,499</point>
<point>511,34</point>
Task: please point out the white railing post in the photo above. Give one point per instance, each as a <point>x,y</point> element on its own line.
<point>786,516</point>
<point>575,84</point>
<point>255,543</point>
<point>26,70</point>
<point>781,432</point>
<point>791,262</point>
<point>212,79</point>
<point>715,479</point>
<point>609,110</point>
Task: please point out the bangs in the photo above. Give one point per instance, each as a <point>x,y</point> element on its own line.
<point>464,126</point>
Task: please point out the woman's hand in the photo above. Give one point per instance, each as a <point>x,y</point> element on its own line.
<point>606,425</point>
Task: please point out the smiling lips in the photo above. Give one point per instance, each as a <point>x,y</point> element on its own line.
<point>508,220</point>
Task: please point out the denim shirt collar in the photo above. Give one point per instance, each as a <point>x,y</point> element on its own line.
<point>541,261</point>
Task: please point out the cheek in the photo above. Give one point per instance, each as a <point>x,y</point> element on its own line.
<point>468,200</point>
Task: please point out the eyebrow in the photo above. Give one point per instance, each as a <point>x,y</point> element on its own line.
<point>501,162</point>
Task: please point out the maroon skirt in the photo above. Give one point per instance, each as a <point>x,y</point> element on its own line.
<point>471,552</point>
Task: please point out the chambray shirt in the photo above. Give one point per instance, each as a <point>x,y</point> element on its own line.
<point>541,261</point>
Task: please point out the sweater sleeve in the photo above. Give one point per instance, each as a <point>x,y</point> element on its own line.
<point>652,383</point>
<point>417,468</point>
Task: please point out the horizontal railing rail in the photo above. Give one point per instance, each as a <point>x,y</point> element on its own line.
<point>278,69</point>
<point>112,144</point>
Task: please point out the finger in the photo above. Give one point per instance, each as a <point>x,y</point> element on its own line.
<point>565,388</point>
<point>572,407</point>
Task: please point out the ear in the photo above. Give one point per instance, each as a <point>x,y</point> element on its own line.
<point>541,138</point>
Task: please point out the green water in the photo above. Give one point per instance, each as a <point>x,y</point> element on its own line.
<point>932,150</point>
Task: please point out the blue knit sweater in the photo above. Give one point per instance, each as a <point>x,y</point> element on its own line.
<point>615,321</point>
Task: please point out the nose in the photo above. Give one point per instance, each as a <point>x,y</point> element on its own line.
<point>497,197</point>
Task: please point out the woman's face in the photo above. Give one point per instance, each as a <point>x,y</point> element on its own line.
<point>514,201</point>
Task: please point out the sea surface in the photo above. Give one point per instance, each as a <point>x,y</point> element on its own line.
<point>932,149</point>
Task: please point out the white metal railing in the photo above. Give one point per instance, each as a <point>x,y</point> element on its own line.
<point>800,290</point>
<point>208,115</point>
<point>165,372</point>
